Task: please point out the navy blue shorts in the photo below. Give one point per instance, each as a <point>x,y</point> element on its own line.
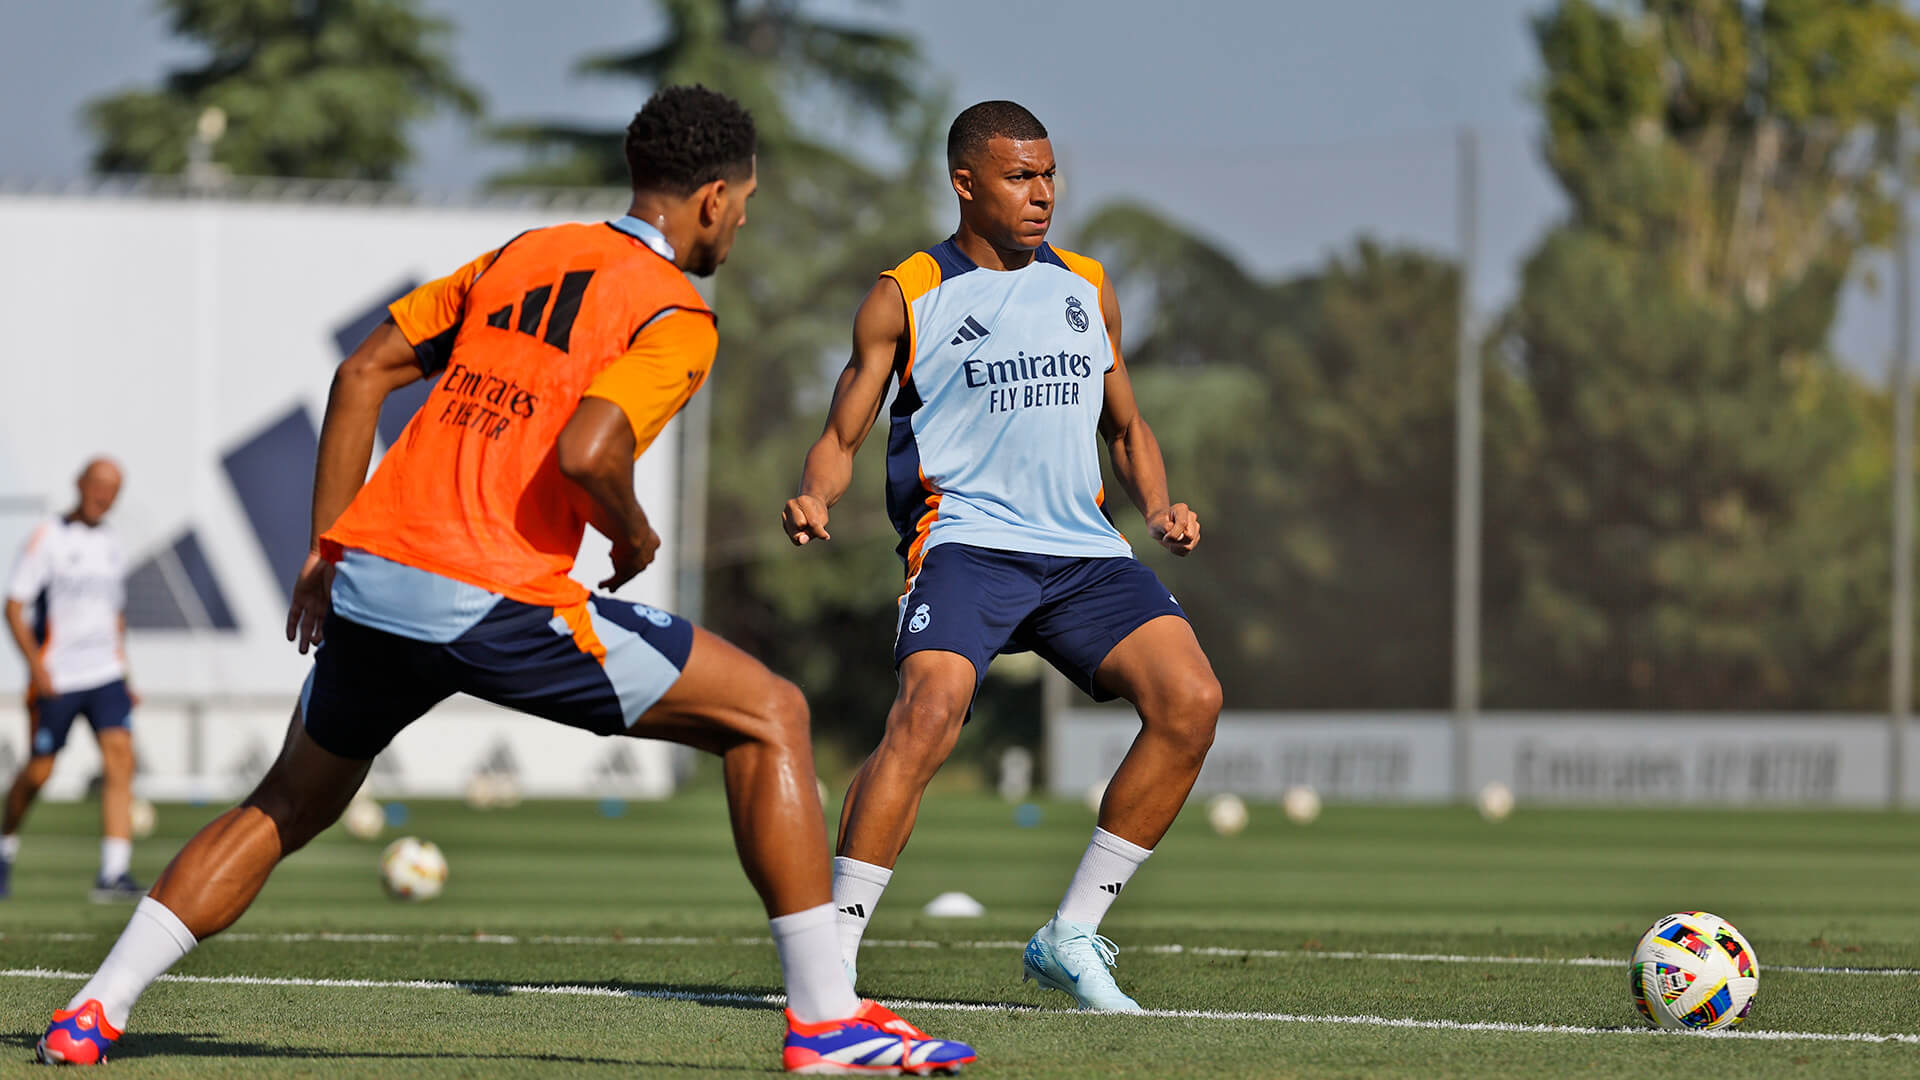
<point>105,707</point>
<point>597,666</point>
<point>1071,610</point>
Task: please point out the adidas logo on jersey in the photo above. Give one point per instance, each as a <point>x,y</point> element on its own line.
<point>971,330</point>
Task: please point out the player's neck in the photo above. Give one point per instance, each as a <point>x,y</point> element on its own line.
<point>988,256</point>
<point>673,221</point>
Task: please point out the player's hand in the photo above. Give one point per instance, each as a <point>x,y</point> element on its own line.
<point>312,600</point>
<point>39,681</point>
<point>805,520</point>
<point>1177,528</point>
<point>631,558</point>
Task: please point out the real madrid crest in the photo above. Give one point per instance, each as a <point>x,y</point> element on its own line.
<point>1076,315</point>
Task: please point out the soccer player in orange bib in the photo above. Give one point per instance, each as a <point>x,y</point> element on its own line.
<point>560,356</point>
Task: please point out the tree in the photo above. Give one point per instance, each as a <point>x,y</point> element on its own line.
<point>1703,524</point>
<point>823,226</point>
<point>1310,422</point>
<point>310,88</point>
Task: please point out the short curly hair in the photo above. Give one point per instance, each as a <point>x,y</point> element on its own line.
<point>686,137</point>
<point>980,124</point>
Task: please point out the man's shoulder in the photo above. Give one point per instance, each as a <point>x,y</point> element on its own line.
<point>1074,263</point>
<point>917,275</point>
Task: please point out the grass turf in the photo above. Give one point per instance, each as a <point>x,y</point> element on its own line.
<point>1809,889</point>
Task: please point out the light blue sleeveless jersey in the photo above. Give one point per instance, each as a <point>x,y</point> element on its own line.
<point>993,435</point>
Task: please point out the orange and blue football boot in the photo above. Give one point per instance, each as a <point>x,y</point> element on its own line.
<point>77,1036</point>
<point>873,1042</point>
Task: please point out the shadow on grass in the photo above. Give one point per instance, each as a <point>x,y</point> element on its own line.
<point>212,1045</point>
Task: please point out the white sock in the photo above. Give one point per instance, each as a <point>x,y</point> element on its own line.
<point>1104,871</point>
<point>9,847</point>
<point>856,892</point>
<point>116,855</point>
<point>154,940</point>
<point>817,986</point>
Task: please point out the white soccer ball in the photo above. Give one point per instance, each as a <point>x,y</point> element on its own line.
<point>1227,814</point>
<point>1694,972</point>
<point>143,818</point>
<point>1495,801</point>
<point>1301,803</point>
<point>1096,793</point>
<point>364,819</point>
<point>413,869</point>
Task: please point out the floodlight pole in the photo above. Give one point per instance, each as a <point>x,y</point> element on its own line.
<point>1466,506</point>
<point>1900,688</point>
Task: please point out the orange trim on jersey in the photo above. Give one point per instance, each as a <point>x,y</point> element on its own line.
<point>1085,267</point>
<point>916,277</point>
<point>922,529</point>
<point>39,534</point>
<point>579,619</point>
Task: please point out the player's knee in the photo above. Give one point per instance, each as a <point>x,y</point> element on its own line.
<point>928,723</point>
<point>116,764</point>
<point>1188,713</point>
<point>36,774</point>
<point>787,714</point>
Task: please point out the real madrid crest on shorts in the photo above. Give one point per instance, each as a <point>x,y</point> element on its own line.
<point>1076,315</point>
<point>921,617</point>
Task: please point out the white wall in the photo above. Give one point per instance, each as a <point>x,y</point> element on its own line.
<point>1572,758</point>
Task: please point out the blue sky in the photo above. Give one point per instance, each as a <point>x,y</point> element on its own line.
<point>1281,129</point>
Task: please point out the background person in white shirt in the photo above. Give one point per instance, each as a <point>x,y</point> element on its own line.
<point>66,606</point>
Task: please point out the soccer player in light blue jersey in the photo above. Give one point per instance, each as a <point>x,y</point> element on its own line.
<point>1006,351</point>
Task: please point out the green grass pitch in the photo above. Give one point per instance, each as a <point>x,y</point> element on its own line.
<point>580,944</point>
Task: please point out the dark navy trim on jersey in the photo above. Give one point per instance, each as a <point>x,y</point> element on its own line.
<point>952,261</point>
<point>1046,254</point>
<point>906,495</point>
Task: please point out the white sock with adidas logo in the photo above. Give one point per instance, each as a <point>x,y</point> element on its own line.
<point>1104,870</point>
<point>857,887</point>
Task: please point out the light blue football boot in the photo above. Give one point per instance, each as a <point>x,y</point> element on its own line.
<point>1073,959</point>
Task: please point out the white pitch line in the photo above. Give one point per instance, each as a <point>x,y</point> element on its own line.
<point>722,998</point>
<point>905,943</point>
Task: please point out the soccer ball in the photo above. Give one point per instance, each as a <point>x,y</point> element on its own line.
<point>1694,972</point>
<point>413,869</point>
<point>142,817</point>
<point>1495,801</point>
<point>1301,803</point>
<point>364,818</point>
<point>1227,814</point>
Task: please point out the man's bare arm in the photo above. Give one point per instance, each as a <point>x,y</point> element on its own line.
<point>879,340</point>
<point>596,451</point>
<point>1134,451</point>
<point>383,363</point>
<point>29,648</point>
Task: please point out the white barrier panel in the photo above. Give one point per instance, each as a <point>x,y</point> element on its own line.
<point>217,753</point>
<point>1570,758</point>
<point>1682,758</point>
<point>1376,758</point>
